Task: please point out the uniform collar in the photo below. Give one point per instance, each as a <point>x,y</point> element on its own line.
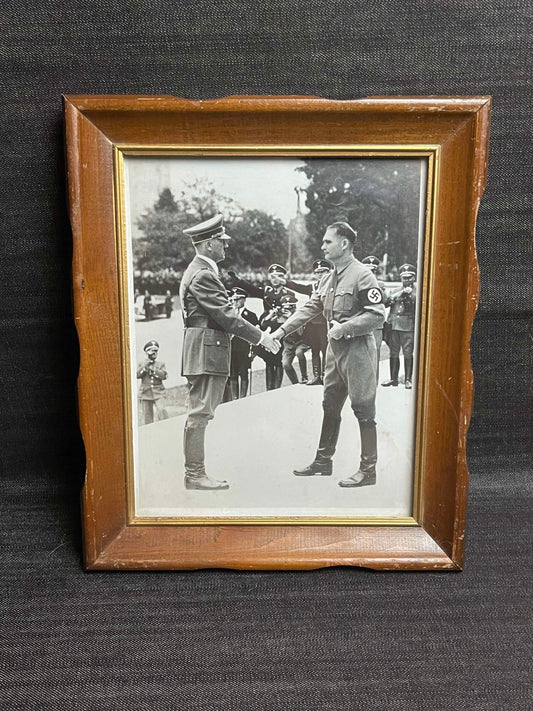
<point>352,261</point>
<point>210,261</point>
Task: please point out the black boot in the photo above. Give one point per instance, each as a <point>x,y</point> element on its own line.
<point>394,370</point>
<point>366,474</point>
<point>195,474</point>
<point>408,366</point>
<point>317,378</point>
<point>244,387</point>
<point>322,464</point>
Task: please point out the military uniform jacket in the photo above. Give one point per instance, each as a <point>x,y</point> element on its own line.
<point>402,310</point>
<point>209,321</point>
<point>350,296</point>
<point>152,376</point>
<point>271,297</point>
<point>240,347</point>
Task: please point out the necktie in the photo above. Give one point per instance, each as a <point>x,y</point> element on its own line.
<point>330,296</point>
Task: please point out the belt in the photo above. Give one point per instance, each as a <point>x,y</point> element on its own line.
<point>202,322</point>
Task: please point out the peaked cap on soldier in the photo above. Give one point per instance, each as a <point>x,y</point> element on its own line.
<point>208,229</point>
<point>277,269</point>
<point>407,270</point>
<point>322,265</point>
<point>372,262</point>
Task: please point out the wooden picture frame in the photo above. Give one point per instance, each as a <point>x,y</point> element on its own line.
<point>452,134</point>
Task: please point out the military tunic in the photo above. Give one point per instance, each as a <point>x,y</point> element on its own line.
<point>151,390</point>
<point>350,296</point>
<point>402,322</point>
<point>209,321</point>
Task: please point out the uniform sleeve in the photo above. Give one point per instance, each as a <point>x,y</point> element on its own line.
<point>209,292</point>
<point>300,288</point>
<point>370,298</point>
<point>303,315</point>
<point>251,289</point>
<point>160,371</point>
<point>140,369</point>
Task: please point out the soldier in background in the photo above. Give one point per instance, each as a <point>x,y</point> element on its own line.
<point>316,331</point>
<point>293,344</point>
<point>148,306</point>
<point>168,303</point>
<point>240,349</point>
<point>373,264</point>
<point>151,373</point>
<point>402,324</point>
<point>271,293</point>
<point>209,320</point>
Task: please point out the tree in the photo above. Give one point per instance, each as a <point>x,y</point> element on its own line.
<point>258,240</point>
<point>378,197</point>
<point>161,243</point>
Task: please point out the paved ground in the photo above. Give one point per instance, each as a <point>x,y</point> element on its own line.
<point>255,443</point>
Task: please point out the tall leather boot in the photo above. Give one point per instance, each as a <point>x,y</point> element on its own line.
<point>408,366</point>
<point>394,370</point>
<point>243,392</point>
<point>234,388</point>
<point>322,464</point>
<point>194,450</point>
<point>366,474</point>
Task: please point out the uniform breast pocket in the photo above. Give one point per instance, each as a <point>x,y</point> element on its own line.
<point>344,300</point>
<point>216,352</point>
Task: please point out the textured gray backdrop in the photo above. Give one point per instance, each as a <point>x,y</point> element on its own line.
<point>333,639</point>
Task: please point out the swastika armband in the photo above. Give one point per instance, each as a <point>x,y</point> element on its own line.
<point>370,297</point>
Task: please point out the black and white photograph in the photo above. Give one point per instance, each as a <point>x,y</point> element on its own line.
<point>274,326</point>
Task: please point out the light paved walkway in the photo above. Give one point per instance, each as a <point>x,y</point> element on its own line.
<point>256,442</point>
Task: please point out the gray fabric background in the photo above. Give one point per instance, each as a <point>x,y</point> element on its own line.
<point>332,639</point>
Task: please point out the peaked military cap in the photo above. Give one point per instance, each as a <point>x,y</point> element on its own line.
<point>277,269</point>
<point>288,300</point>
<point>407,270</point>
<point>237,291</point>
<point>150,344</point>
<point>322,265</point>
<point>208,229</point>
<point>371,261</point>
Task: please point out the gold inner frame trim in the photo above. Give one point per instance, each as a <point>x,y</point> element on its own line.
<point>429,151</point>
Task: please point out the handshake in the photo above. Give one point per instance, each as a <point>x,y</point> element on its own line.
<point>269,342</point>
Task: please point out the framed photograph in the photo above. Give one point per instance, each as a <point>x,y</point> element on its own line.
<point>274,298</point>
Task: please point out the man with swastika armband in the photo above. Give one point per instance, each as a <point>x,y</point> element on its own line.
<point>402,324</point>
<point>352,304</point>
<point>209,320</point>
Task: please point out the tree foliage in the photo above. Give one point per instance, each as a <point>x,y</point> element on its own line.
<point>258,240</point>
<point>378,197</point>
<point>161,243</point>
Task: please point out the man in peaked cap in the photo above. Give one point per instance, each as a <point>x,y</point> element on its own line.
<point>352,303</point>
<point>402,323</point>
<point>373,264</point>
<point>151,373</point>
<point>271,293</point>
<point>209,320</point>
<point>316,331</point>
<point>240,349</point>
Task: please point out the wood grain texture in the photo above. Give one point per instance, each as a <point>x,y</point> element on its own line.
<point>458,127</point>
